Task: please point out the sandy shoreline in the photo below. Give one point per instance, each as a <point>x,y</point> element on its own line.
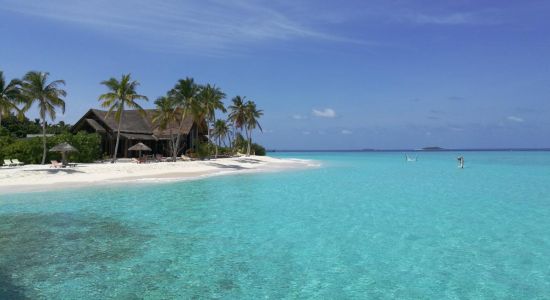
<point>35,178</point>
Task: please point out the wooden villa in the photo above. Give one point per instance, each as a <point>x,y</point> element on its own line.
<point>137,127</point>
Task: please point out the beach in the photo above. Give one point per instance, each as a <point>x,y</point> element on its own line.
<point>33,178</point>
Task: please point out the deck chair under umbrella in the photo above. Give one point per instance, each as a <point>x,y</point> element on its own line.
<point>63,148</point>
<point>139,147</point>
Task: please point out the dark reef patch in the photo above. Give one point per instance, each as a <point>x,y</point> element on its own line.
<point>37,247</point>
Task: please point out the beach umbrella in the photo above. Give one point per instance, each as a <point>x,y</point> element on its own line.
<point>64,148</point>
<point>139,147</point>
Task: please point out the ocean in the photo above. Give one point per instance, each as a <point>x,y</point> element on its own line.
<point>362,225</point>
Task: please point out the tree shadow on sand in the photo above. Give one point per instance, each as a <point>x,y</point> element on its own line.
<point>56,171</point>
<point>249,160</point>
<point>218,165</point>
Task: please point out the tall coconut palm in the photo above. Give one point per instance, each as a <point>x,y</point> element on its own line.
<point>35,88</point>
<point>164,117</point>
<point>252,114</point>
<point>10,97</point>
<point>184,94</point>
<point>220,131</point>
<point>237,112</point>
<point>121,94</point>
<point>210,99</point>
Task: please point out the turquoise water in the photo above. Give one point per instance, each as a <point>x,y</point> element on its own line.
<point>363,225</point>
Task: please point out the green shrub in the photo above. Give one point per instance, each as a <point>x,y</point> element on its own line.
<point>29,151</point>
<point>203,150</point>
<point>257,149</point>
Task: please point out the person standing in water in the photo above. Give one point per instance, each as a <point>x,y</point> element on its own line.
<point>461,162</point>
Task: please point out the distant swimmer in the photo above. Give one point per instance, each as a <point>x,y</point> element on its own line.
<point>408,158</point>
<point>460,162</point>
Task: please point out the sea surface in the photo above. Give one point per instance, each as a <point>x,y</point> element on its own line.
<point>360,226</point>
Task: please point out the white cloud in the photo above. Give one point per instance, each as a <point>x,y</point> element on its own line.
<point>298,117</point>
<point>456,18</point>
<point>214,27</point>
<point>515,119</point>
<point>345,131</point>
<point>324,113</point>
<point>451,19</point>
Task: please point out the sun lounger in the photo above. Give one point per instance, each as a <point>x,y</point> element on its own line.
<point>137,161</point>
<point>185,158</point>
<point>8,163</point>
<point>16,162</point>
<point>56,164</point>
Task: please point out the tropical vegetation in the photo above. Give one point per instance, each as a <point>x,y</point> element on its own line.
<point>245,115</point>
<point>29,150</point>
<point>210,100</point>
<point>184,100</point>
<point>121,94</point>
<point>10,97</point>
<point>164,117</point>
<point>203,103</point>
<point>36,89</point>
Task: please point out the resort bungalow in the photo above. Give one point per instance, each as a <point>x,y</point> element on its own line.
<point>137,127</point>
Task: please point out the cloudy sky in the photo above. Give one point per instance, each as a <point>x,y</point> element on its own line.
<point>328,74</point>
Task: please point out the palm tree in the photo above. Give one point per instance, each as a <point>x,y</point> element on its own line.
<point>252,115</point>
<point>10,96</point>
<point>35,88</point>
<point>164,117</point>
<point>245,115</point>
<point>184,94</point>
<point>237,112</point>
<point>210,100</point>
<point>220,131</point>
<point>121,94</point>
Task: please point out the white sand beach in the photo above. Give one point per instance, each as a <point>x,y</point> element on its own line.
<point>33,178</point>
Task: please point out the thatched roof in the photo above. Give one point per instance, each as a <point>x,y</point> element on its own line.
<point>63,147</point>
<point>139,147</point>
<point>133,124</point>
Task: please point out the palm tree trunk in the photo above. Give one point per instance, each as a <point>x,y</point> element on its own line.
<point>175,150</point>
<point>117,137</point>
<point>215,145</point>
<point>1,113</point>
<point>230,142</point>
<point>248,135</point>
<point>173,143</point>
<point>44,140</point>
<point>218,144</point>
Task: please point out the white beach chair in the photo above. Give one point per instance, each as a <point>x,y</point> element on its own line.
<point>8,163</point>
<point>16,162</point>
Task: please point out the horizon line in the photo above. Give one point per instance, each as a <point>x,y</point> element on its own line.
<point>411,150</point>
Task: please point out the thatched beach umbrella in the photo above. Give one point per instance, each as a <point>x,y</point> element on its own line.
<point>139,147</point>
<point>63,148</point>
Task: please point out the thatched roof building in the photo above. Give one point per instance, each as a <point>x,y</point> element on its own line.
<point>137,127</point>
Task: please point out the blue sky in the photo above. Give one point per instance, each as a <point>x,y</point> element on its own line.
<point>328,74</point>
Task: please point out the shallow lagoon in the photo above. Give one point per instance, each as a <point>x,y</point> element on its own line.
<point>362,225</point>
